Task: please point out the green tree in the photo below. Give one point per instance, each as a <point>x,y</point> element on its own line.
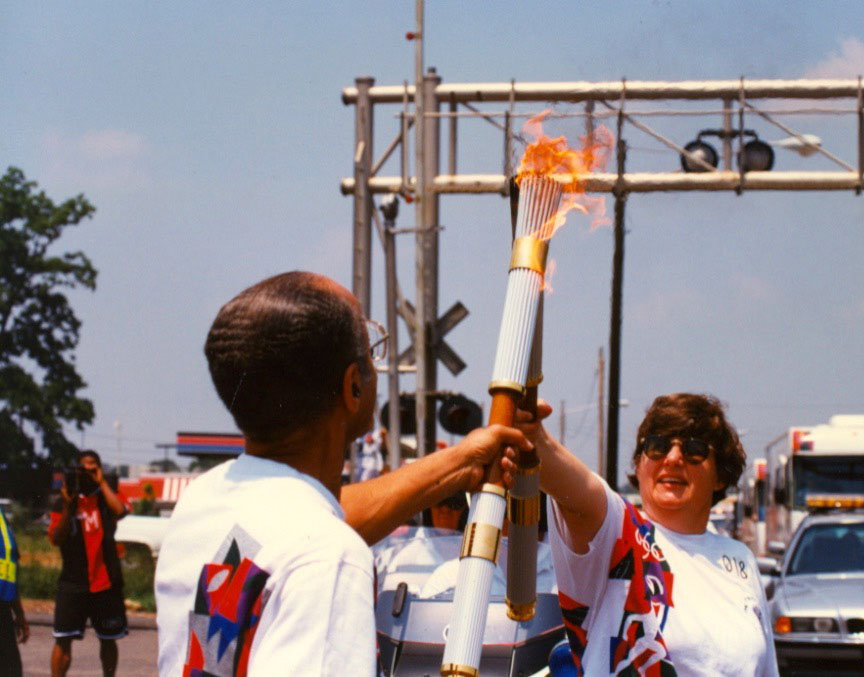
<point>39,382</point>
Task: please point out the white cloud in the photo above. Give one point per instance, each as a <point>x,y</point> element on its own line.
<point>853,312</point>
<point>110,159</point>
<point>752,288</point>
<point>108,144</point>
<point>849,63</point>
<point>660,309</point>
<point>97,144</point>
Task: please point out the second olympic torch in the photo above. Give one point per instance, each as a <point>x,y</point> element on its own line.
<point>538,204</point>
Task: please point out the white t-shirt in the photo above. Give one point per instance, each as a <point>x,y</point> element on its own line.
<point>660,602</point>
<point>259,573</point>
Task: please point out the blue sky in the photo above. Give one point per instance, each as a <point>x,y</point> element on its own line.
<point>211,137</point>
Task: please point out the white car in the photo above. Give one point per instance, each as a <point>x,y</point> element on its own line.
<point>818,597</point>
<point>142,531</point>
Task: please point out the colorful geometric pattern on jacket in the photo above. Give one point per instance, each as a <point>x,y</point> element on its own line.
<point>574,615</point>
<point>637,561</point>
<point>228,605</point>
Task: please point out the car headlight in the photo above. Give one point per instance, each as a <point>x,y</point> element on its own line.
<point>821,624</point>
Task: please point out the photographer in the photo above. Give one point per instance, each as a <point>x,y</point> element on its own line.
<point>83,522</point>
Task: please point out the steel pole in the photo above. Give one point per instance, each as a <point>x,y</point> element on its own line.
<point>390,209</point>
<point>421,338</point>
<point>362,259</point>
<point>427,241</point>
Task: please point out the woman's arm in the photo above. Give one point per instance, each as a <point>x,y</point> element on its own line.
<point>579,493</point>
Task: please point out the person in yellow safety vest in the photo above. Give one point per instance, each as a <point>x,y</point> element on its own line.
<point>11,631</point>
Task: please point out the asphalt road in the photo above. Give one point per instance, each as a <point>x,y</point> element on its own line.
<point>137,653</point>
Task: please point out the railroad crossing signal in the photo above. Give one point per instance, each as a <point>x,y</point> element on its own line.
<point>445,323</point>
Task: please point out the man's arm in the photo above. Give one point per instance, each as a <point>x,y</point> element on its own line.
<point>115,505</point>
<point>375,507</point>
<point>22,629</point>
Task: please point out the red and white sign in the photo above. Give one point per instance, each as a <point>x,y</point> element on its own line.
<point>167,487</point>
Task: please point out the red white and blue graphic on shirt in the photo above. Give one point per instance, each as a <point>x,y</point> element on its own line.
<point>638,564</point>
<point>228,606</point>
<point>639,648</point>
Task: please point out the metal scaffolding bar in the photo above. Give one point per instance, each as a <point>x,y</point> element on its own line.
<point>584,91</point>
<point>638,182</point>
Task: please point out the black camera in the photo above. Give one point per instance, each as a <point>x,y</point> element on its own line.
<point>78,481</point>
<point>72,480</point>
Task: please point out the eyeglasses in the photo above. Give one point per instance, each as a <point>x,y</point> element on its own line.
<point>693,449</point>
<point>377,341</point>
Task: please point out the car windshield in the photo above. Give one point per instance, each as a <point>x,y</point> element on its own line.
<point>829,549</point>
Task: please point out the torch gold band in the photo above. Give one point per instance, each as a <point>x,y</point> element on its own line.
<point>530,253</point>
<point>504,384</point>
<point>456,670</point>
<point>481,540</point>
<point>490,488</point>
<point>523,511</point>
<point>521,612</point>
<point>533,382</point>
<point>528,470</point>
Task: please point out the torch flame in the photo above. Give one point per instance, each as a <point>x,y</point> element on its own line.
<point>546,285</point>
<point>553,158</point>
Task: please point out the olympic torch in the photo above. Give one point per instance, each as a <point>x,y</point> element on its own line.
<point>538,204</point>
<point>548,170</point>
<point>523,499</point>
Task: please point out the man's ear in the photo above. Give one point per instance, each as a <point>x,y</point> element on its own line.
<point>351,390</point>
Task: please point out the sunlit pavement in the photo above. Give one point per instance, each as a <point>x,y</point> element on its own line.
<point>137,652</point>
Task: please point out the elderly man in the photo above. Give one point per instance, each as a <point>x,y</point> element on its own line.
<point>259,572</point>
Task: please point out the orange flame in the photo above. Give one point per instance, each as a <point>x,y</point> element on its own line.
<point>546,285</point>
<point>553,158</point>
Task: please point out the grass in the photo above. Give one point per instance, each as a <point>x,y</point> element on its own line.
<point>138,572</point>
<point>40,564</point>
<point>37,582</point>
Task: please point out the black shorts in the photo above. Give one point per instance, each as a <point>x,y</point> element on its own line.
<point>9,655</point>
<point>105,609</point>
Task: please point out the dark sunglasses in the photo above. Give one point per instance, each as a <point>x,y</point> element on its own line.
<point>693,449</point>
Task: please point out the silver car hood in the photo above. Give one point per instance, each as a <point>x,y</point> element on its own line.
<point>840,594</point>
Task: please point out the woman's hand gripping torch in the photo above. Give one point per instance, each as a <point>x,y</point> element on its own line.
<point>539,201</point>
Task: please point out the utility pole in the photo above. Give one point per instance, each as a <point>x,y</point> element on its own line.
<point>562,422</point>
<point>165,447</point>
<point>601,447</point>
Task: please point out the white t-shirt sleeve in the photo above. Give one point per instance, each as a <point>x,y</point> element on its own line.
<point>321,624</point>
<point>584,577</point>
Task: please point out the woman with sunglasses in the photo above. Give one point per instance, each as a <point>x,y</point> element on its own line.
<point>652,591</point>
